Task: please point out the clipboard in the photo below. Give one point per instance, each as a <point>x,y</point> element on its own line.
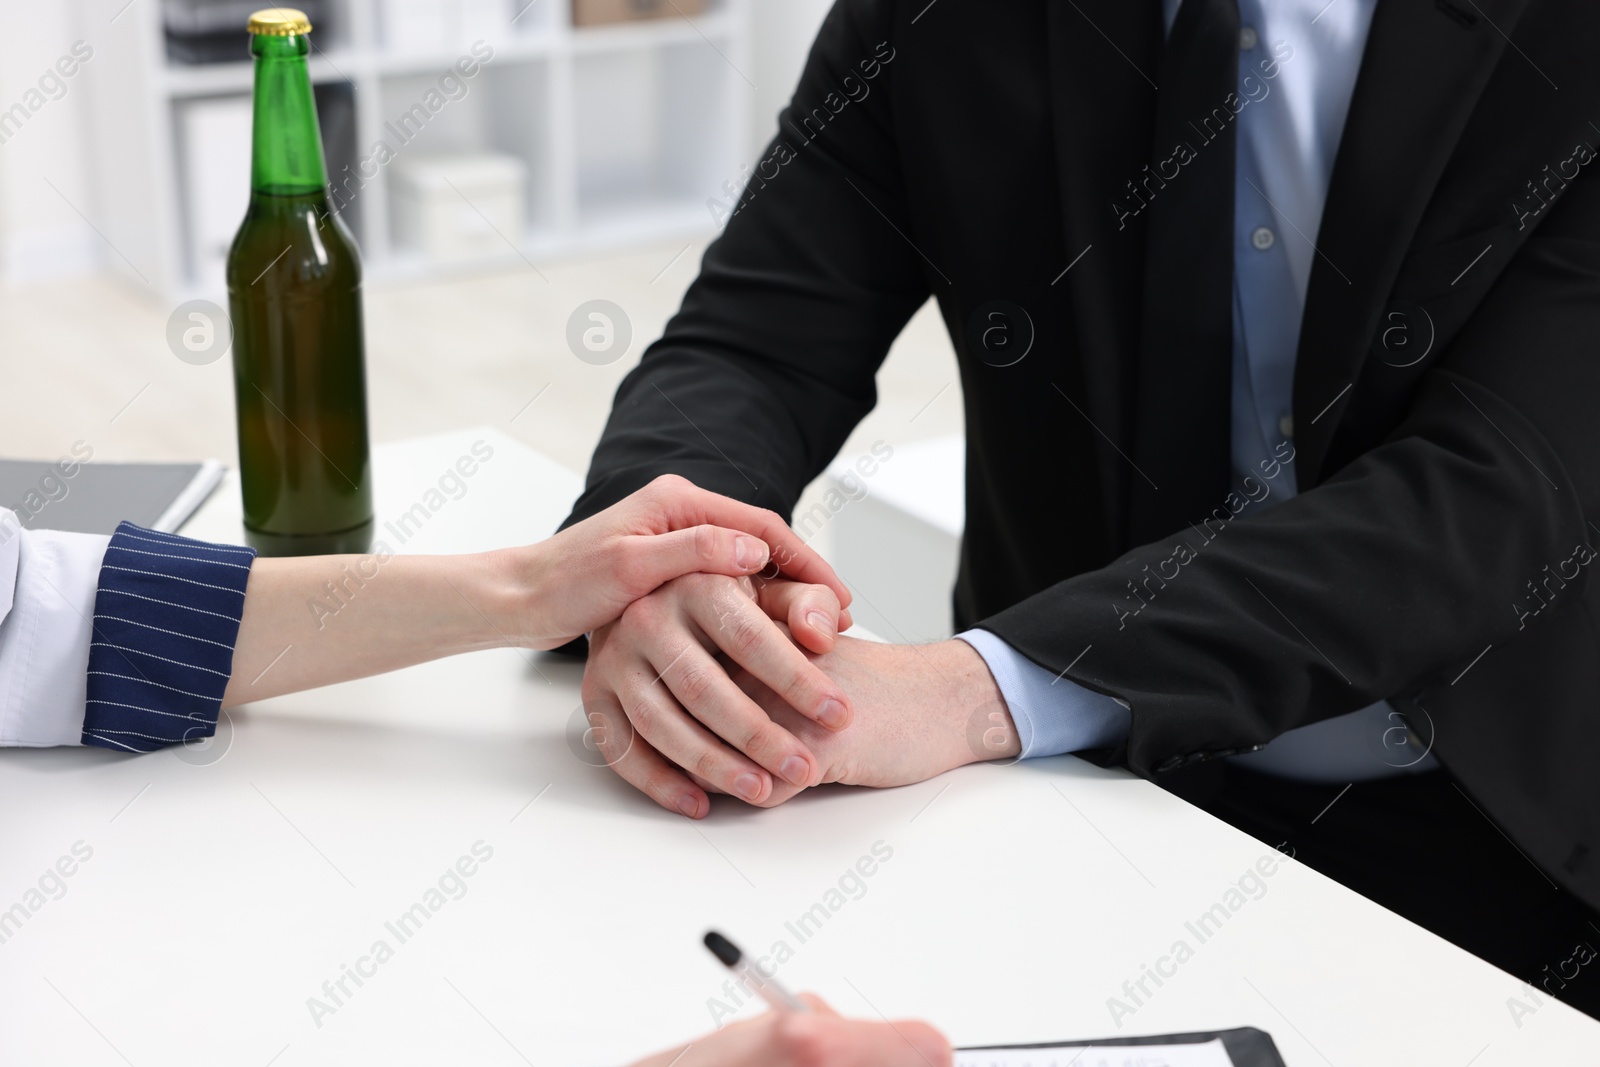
<point>1246,1046</point>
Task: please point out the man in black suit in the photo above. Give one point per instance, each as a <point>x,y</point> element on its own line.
<point>1426,560</point>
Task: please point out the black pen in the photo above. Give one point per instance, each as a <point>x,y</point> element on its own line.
<point>771,992</point>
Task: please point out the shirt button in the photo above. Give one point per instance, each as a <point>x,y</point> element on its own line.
<point>1248,38</point>
<point>1286,426</point>
<point>1263,238</point>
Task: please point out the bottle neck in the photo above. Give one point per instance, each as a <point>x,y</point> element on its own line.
<point>286,156</point>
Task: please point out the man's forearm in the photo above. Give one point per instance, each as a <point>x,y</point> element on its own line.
<point>1228,634</point>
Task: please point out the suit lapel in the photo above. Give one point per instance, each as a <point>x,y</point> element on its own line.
<point>1104,61</point>
<point>1425,66</point>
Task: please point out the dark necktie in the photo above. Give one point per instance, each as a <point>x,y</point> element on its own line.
<point>1182,428</point>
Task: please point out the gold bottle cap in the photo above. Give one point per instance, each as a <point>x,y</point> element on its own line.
<point>279,22</point>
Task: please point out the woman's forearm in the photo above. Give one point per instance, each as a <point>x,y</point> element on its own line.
<point>317,620</point>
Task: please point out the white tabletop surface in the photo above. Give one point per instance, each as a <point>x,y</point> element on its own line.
<point>223,887</point>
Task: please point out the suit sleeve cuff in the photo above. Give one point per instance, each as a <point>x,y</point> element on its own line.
<point>166,617</point>
<point>1052,714</point>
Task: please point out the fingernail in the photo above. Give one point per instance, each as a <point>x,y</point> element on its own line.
<point>795,771</point>
<point>689,804</point>
<point>747,785</point>
<point>750,553</point>
<point>821,621</point>
<point>831,714</point>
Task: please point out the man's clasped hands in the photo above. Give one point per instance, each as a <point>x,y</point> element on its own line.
<point>745,684</point>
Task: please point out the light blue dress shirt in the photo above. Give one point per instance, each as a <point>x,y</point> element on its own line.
<point>1298,62</point>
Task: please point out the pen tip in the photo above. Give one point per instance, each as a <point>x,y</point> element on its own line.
<point>722,948</point>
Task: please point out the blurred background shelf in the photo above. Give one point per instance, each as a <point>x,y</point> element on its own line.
<point>623,133</point>
<point>209,79</point>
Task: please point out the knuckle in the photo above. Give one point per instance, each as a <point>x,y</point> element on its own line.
<point>696,682</point>
<point>744,633</point>
<point>663,785</point>
<point>801,687</point>
<point>626,762</point>
<point>645,716</point>
<point>612,734</point>
<point>820,597</point>
<point>707,544</point>
<point>664,485</point>
<point>759,738</point>
<point>707,763</point>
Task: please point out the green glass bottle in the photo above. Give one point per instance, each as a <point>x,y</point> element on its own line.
<point>294,292</point>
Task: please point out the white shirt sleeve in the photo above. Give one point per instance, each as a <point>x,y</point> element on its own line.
<point>48,581</point>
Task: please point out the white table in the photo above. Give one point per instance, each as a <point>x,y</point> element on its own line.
<point>221,895</point>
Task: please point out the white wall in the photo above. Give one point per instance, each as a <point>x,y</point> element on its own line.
<point>782,34</point>
<point>41,233</point>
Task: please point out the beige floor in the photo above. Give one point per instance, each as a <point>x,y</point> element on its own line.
<point>87,360</point>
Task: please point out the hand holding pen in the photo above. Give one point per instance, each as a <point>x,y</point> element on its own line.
<point>802,1031</point>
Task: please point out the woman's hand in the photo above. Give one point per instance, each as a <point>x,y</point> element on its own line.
<point>587,575</point>
<point>819,1038</point>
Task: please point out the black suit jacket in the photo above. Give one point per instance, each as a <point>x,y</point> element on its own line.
<point>1447,389</point>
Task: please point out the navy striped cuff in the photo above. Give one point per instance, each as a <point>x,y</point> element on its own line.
<point>166,617</point>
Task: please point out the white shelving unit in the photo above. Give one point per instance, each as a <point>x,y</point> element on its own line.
<point>626,131</point>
